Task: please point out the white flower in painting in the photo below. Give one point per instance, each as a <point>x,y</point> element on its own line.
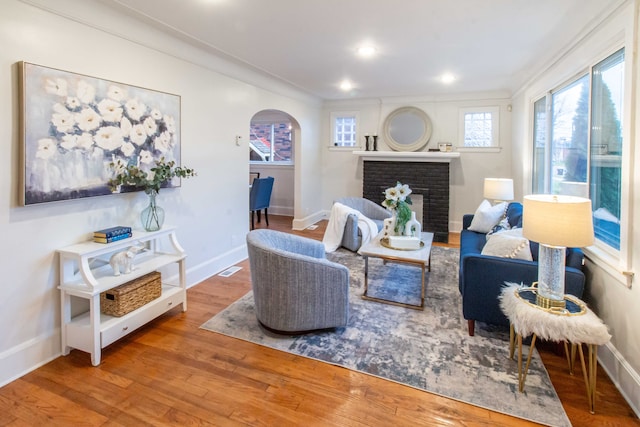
<point>128,149</point>
<point>111,110</point>
<point>150,126</point>
<point>156,114</point>
<point>63,121</point>
<point>56,87</point>
<point>138,135</point>
<point>85,92</point>
<point>108,138</point>
<point>162,142</point>
<point>171,124</point>
<point>135,109</point>
<point>146,157</point>
<point>116,93</point>
<point>125,126</point>
<point>73,103</point>
<point>88,119</point>
<point>69,141</point>
<point>84,141</point>
<point>46,148</point>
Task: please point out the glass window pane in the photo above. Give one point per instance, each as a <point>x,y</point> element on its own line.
<point>270,142</point>
<point>478,129</point>
<point>569,138</point>
<point>345,131</point>
<point>539,144</point>
<point>606,147</point>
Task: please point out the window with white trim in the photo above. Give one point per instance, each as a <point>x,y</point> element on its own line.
<point>578,143</point>
<point>343,129</point>
<point>479,127</point>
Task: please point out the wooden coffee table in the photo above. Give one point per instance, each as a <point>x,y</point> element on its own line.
<point>420,257</point>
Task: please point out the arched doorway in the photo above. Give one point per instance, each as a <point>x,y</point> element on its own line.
<point>273,138</point>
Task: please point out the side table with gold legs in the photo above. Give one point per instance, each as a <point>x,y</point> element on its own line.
<point>575,324</point>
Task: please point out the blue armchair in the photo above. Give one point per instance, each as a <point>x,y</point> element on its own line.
<point>295,288</point>
<point>481,277</point>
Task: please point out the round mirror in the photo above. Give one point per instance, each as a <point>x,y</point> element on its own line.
<point>407,129</point>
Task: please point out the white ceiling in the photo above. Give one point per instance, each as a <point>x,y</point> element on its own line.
<point>490,45</point>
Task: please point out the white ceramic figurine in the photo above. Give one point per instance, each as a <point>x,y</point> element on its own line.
<point>123,261</point>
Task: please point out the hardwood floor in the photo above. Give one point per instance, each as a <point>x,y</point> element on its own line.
<point>170,372</point>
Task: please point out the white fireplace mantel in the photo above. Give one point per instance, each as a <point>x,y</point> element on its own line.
<point>408,156</point>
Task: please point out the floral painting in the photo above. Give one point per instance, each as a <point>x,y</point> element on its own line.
<point>75,127</point>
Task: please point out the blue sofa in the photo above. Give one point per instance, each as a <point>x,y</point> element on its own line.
<point>481,277</point>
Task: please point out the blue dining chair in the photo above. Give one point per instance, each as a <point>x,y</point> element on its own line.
<point>260,198</point>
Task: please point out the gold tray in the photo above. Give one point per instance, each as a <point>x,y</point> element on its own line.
<point>575,307</point>
<point>385,242</point>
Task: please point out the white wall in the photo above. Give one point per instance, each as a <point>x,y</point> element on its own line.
<point>342,174</point>
<point>210,210</point>
<point>606,290</point>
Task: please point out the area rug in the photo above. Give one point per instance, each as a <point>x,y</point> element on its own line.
<point>429,350</point>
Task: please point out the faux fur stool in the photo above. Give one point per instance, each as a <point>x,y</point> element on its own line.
<point>583,327</point>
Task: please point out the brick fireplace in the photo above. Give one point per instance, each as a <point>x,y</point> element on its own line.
<point>428,179</point>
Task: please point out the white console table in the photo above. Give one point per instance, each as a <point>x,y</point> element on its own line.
<point>85,273</point>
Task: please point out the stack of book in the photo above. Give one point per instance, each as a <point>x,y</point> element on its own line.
<point>112,234</point>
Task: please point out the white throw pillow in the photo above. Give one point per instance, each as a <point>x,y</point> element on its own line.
<point>487,216</point>
<point>508,244</point>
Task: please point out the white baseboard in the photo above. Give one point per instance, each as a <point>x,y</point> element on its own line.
<point>302,223</point>
<point>215,265</point>
<point>281,210</point>
<point>28,356</point>
<point>621,374</point>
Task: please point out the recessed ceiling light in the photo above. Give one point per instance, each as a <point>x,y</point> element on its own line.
<point>447,78</point>
<point>366,51</point>
<point>346,85</point>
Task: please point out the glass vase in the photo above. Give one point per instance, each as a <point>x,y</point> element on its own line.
<point>152,216</point>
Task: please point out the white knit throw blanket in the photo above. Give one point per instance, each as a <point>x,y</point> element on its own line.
<point>335,228</point>
<point>586,328</point>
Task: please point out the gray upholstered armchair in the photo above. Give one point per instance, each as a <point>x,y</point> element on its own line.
<point>352,239</point>
<point>295,288</point>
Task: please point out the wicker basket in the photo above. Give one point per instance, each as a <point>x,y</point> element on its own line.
<point>134,294</point>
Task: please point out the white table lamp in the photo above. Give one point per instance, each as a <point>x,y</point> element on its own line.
<point>498,189</point>
<point>555,222</point>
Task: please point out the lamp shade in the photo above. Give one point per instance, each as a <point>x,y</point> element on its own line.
<point>558,220</point>
<point>498,189</point>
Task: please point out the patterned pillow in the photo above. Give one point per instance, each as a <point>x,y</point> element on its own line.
<point>508,244</point>
<point>503,225</point>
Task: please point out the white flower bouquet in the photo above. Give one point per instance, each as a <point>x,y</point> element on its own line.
<point>397,200</point>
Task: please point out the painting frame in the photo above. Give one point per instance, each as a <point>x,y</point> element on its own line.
<point>74,126</point>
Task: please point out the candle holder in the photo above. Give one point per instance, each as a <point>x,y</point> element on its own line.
<point>375,142</point>
<point>366,143</point>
